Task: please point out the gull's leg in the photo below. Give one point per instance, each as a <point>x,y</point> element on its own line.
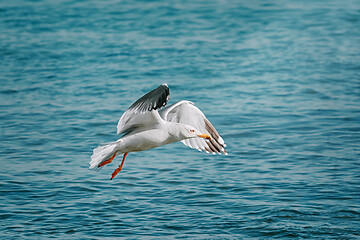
<point>107,161</point>
<point>119,168</point>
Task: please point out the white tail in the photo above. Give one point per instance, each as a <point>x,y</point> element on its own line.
<point>101,154</point>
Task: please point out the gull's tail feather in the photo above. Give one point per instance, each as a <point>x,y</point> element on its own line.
<point>101,154</point>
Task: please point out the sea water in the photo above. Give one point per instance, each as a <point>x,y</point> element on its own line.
<point>280,80</point>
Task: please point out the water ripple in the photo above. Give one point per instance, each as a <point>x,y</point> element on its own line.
<point>278,80</point>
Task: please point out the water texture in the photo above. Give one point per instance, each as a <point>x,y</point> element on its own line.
<point>279,79</point>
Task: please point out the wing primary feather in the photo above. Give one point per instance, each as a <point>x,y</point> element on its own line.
<point>210,128</point>
<point>211,147</point>
<point>207,150</point>
<point>202,144</point>
<point>216,145</point>
<point>186,112</point>
<point>217,140</point>
<point>153,100</point>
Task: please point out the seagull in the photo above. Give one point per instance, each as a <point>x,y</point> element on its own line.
<point>144,127</point>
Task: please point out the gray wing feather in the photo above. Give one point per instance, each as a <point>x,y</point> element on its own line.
<point>153,100</point>
<point>186,112</point>
<point>143,112</point>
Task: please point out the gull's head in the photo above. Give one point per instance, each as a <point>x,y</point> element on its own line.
<point>191,132</point>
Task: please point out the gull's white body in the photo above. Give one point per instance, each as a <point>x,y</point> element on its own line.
<point>161,134</point>
<point>144,128</point>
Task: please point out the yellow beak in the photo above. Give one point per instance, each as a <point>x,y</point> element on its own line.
<point>206,136</point>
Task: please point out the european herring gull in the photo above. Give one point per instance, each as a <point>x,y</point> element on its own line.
<point>143,127</point>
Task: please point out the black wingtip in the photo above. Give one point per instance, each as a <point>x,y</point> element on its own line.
<point>153,100</point>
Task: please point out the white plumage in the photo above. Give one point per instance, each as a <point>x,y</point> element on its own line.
<point>144,127</point>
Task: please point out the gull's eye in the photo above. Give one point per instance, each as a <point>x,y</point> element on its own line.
<point>192,130</point>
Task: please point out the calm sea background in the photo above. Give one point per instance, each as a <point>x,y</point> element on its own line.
<point>280,80</point>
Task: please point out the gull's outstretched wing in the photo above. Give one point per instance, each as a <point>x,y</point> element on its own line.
<point>143,112</point>
<point>186,112</point>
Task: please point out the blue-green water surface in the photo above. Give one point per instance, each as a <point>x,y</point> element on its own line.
<point>280,80</point>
